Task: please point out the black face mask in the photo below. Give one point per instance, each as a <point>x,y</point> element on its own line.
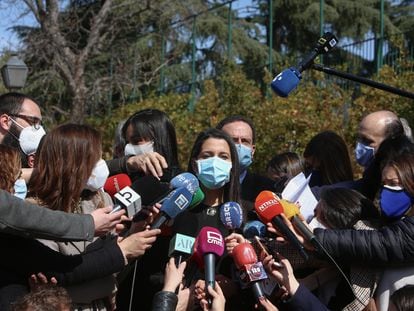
<point>316,178</point>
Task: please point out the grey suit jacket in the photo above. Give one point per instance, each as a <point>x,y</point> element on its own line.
<point>29,220</point>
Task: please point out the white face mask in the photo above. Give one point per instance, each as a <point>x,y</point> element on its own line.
<point>98,176</point>
<point>131,149</point>
<point>29,138</point>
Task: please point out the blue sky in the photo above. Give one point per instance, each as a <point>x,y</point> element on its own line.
<point>12,15</point>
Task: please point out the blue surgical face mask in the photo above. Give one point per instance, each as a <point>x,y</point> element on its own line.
<point>394,201</point>
<point>245,156</point>
<point>20,188</point>
<point>364,154</point>
<point>213,172</point>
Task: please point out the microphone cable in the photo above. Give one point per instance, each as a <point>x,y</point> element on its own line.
<point>131,296</point>
<point>325,252</point>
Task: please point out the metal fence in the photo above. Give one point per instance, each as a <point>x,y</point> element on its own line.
<point>363,58</point>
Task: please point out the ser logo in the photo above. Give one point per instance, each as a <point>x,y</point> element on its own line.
<point>214,238</point>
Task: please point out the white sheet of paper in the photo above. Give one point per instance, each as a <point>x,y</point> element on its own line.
<point>298,191</point>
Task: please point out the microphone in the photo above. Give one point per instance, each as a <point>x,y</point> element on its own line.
<point>210,244</point>
<point>198,197</point>
<point>151,191</point>
<point>291,211</point>
<point>231,215</point>
<point>176,202</point>
<point>186,180</point>
<point>251,270</point>
<point>269,208</point>
<point>118,186</point>
<point>286,81</point>
<point>115,183</point>
<point>194,264</point>
<point>181,247</point>
<point>254,228</point>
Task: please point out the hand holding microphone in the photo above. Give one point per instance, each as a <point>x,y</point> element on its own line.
<point>137,244</point>
<point>283,273</point>
<point>231,215</point>
<point>270,210</point>
<point>292,212</point>
<point>251,271</point>
<point>173,275</point>
<point>218,300</point>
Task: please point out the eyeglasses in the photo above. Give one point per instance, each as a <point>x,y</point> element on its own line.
<point>33,121</point>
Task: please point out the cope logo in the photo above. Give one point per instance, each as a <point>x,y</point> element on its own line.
<point>214,238</point>
<point>181,202</point>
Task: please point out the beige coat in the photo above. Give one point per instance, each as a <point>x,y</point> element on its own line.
<point>93,295</point>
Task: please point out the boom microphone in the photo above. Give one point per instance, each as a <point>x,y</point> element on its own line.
<point>231,215</point>
<point>210,244</point>
<point>288,79</point>
<point>176,202</point>
<point>251,270</point>
<point>269,208</point>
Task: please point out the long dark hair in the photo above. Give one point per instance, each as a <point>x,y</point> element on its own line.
<point>341,208</point>
<point>232,188</point>
<point>155,125</point>
<point>330,150</point>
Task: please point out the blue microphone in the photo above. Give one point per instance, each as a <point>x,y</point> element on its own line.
<point>286,81</point>
<point>231,215</point>
<point>254,228</point>
<point>176,202</point>
<point>186,180</point>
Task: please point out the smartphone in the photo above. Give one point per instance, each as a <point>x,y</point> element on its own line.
<point>262,248</point>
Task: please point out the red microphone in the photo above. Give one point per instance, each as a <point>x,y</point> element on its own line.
<point>115,183</point>
<point>210,244</point>
<point>118,187</point>
<point>269,208</point>
<point>251,270</point>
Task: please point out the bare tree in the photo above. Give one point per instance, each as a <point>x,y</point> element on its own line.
<point>69,61</point>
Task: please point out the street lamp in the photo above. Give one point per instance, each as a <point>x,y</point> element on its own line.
<point>14,73</point>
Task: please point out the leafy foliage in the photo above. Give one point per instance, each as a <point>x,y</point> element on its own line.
<point>282,124</point>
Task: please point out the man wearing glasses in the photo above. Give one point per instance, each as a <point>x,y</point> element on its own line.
<point>21,125</point>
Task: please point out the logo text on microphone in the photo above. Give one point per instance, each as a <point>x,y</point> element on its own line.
<point>214,238</point>
<point>262,207</point>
